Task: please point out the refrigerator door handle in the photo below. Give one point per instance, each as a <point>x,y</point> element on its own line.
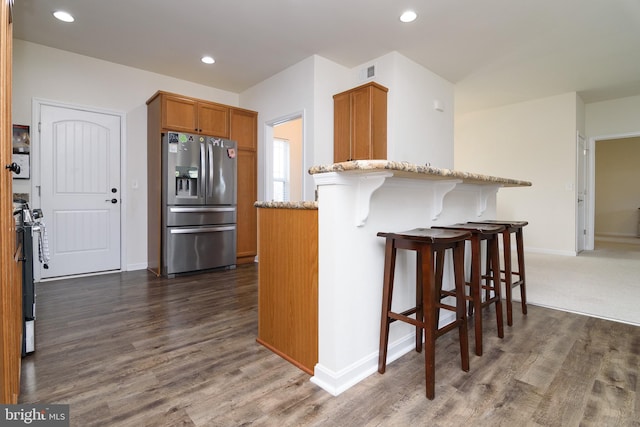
<point>210,179</point>
<point>202,169</point>
<point>202,229</point>
<point>198,209</point>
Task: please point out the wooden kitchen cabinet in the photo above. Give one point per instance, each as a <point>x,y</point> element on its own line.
<point>190,115</point>
<point>244,125</point>
<point>360,123</point>
<point>172,112</point>
<point>288,284</point>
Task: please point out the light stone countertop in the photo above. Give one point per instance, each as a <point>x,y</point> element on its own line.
<point>286,205</point>
<point>415,171</point>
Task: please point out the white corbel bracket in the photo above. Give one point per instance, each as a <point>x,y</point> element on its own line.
<point>364,184</point>
<point>482,193</point>
<point>483,196</point>
<point>440,189</point>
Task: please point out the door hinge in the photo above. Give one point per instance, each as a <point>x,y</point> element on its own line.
<point>39,126</point>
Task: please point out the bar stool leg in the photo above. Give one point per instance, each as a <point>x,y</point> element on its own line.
<point>520,249</point>
<point>429,299</point>
<point>458,272</point>
<point>419,305</point>
<point>495,262</point>
<point>438,278</point>
<point>389,271</point>
<point>508,279</point>
<point>476,273</point>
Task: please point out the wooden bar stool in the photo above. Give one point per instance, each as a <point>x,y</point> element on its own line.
<point>488,233</point>
<point>428,244</point>
<point>512,227</point>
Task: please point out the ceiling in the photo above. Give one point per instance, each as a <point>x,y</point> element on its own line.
<point>496,52</point>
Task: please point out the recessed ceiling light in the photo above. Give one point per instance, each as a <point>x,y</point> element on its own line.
<point>63,16</point>
<point>408,16</point>
<point>208,60</point>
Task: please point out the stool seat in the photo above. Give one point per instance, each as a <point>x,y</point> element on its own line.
<point>489,233</point>
<point>430,245</point>
<point>428,235</point>
<point>506,223</point>
<point>475,227</point>
<point>514,227</point>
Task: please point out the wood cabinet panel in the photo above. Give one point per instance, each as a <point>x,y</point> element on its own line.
<point>178,114</point>
<point>190,115</point>
<point>213,119</point>
<point>247,195</point>
<point>244,130</point>
<point>244,126</point>
<point>341,127</point>
<point>10,276</point>
<point>288,284</point>
<point>360,123</point>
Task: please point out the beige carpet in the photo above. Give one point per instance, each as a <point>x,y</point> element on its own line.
<point>603,283</point>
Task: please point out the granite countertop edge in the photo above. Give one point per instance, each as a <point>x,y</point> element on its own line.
<point>411,168</point>
<point>286,205</point>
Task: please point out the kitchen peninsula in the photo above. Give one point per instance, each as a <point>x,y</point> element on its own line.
<point>356,200</point>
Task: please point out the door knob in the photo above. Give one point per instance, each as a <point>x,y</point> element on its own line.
<point>13,167</point>
<point>112,200</point>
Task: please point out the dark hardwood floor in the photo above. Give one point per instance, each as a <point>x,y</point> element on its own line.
<point>131,349</point>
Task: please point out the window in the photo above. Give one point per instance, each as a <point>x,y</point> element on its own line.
<point>280,170</point>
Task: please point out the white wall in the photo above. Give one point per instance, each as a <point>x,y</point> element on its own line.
<point>52,74</point>
<point>416,132</point>
<point>616,117</point>
<point>533,141</point>
<point>306,87</point>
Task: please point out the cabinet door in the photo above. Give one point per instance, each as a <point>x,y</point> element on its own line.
<point>179,114</point>
<point>213,119</point>
<point>247,240</point>
<point>341,127</point>
<point>244,130</point>
<point>361,124</point>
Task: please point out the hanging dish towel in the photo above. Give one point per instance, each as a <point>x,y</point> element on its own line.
<point>43,244</point>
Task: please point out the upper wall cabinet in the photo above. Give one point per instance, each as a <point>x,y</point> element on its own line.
<point>194,116</point>
<point>360,123</point>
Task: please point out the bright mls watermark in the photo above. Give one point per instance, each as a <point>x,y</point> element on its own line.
<point>34,415</point>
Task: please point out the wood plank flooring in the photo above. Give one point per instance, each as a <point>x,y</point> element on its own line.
<point>131,349</point>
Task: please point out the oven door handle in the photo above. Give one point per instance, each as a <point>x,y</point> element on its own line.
<point>202,230</point>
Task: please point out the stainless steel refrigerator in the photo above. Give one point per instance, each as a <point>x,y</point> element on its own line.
<point>199,202</point>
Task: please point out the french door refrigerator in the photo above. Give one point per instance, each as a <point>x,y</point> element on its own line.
<point>199,203</point>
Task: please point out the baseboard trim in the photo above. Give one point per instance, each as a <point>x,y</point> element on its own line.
<point>137,266</point>
<point>336,382</point>
<point>549,251</point>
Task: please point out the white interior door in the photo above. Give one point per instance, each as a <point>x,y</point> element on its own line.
<point>581,207</point>
<point>80,189</point>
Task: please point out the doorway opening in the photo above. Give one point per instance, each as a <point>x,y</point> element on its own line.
<point>284,149</point>
<point>614,204</point>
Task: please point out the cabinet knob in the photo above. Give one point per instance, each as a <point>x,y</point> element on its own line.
<point>13,167</point>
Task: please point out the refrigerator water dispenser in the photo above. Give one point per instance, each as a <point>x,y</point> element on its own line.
<point>186,181</point>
